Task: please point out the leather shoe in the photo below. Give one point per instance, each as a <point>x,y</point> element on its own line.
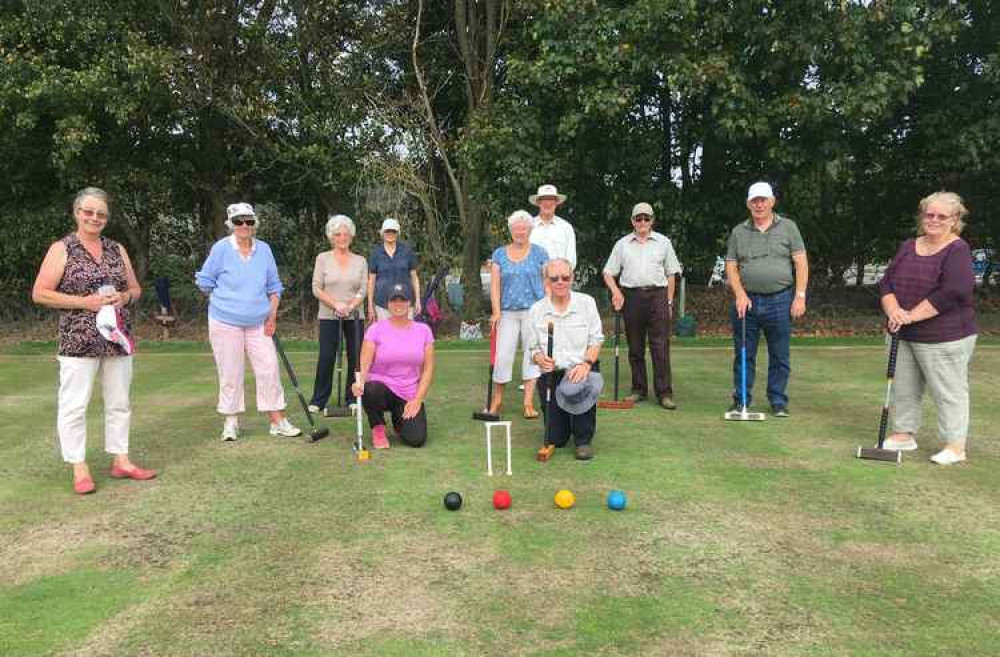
<point>84,486</point>
<point>635,398</point>
<point>584,453</point>
<point>667,402</point>
<point>135,473</point>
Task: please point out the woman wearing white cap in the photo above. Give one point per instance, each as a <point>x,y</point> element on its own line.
<point>551,232</point>
<point>391,263</point>
<point>241,280</point>
<point>82,275</point>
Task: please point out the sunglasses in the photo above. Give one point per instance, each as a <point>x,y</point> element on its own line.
<point>556,279</point>
<point>642,218</point>
<point>90,214</point>
<point>240,222</point>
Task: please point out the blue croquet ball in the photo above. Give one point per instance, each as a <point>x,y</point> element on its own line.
<point>453,501</point>
<point>617,500</point>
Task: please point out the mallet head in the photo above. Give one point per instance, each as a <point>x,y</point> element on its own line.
<point>319,434</point>
<point>545,453</point>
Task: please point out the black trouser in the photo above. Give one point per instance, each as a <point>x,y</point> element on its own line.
<point>646,314</point>
<point>330,333</point>
<point>562,425</point>
<point>379,398</point>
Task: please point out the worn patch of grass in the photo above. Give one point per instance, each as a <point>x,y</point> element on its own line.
<point>739,538</point>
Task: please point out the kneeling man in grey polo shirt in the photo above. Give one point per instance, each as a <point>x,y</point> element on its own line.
<point>768,272</point>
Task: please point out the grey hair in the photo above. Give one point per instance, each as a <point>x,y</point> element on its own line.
<point>519,215</point>
<point>548,264</point>
<point>338,221</point>
<point>952,200</point>
<point>93,192</point>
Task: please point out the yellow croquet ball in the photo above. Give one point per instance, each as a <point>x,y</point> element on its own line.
<point>565,499</point>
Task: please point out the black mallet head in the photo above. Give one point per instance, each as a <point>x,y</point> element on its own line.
<point>485,416</point>
<point>878,454</point>
<point>318,434</point>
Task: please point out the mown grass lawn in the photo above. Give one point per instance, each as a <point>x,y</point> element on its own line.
<point>739,538</point>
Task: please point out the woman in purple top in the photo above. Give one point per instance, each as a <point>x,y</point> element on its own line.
<point>927,297</point>
<point>397,364</point>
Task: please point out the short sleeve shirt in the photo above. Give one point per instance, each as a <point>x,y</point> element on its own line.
<point>643,264</point>
<point>520,282</point>
<point>574,330</point>
<point>391,270</point>
<point>399,355</point>
<point>765,257</point>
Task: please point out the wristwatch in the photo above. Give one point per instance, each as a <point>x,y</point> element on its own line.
<point>801,295</point>
<point>591,363</point>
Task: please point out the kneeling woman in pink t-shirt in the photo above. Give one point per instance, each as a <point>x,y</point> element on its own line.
<point>397,363</point>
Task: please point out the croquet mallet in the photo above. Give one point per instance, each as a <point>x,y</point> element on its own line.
<point>316,433</point>
<point>360,452</point>
<point>742,414</point>
<point>617,403</point>
<point>547,449</point>
<point>879,453</point>
<point>340,410</point>
<point>485,414</point>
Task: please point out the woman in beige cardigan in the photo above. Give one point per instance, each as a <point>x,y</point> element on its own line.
<point>339,281</point>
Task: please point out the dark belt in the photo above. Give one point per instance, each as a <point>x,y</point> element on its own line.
<point>768,294</point>
<point>644,288</point>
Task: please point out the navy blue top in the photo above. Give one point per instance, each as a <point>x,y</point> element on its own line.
<point>391,270</point>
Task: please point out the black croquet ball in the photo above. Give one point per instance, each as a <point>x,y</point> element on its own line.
<point>453,501</point>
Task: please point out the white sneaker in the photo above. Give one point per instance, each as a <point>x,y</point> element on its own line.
<point>285,428</point>
<point>948,457</point>
<point>230,432</point>
<point>901,445</point>
<point>314,409</point>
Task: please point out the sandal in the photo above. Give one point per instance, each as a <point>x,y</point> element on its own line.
<point>530,413</point>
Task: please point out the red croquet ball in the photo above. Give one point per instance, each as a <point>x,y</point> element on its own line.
<point>501,500</point>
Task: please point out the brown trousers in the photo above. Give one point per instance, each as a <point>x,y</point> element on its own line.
<point>646,315</point>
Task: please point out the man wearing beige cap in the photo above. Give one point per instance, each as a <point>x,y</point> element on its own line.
<point>551,232</point>
<point>768,272</point>
<point>644,262</point>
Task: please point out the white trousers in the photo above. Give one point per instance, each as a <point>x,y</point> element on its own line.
<point>513,324</point>
<point>943,369</point>
<point>229,343</point>
<point>76,385</point>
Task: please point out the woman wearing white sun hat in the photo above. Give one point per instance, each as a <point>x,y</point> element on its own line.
<point>241,280</point>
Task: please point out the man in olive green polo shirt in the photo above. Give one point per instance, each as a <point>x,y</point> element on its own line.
<point>768,272</point>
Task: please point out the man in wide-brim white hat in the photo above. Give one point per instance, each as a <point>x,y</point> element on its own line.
<point>553,233</point>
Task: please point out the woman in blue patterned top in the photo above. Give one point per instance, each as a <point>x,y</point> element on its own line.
<point>515,284</point>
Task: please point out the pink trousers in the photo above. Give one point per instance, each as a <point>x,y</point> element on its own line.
<point>229,343</point>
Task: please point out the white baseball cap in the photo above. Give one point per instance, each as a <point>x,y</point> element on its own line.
<point>111,326</point>
<point>239,210</point>
<point>389,224</point>
<point>760,190</point>
<point>546,191</point>
<point>642,208</point>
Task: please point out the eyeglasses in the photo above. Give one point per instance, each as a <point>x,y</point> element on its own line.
<point>564,279</point>
<point>642,218</point>
<point>90,214</point>
<point>933,216</point>
<point>240,222</point>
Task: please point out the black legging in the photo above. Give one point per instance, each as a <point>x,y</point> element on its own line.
<point>330,333</point>
<point>378,399</point>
